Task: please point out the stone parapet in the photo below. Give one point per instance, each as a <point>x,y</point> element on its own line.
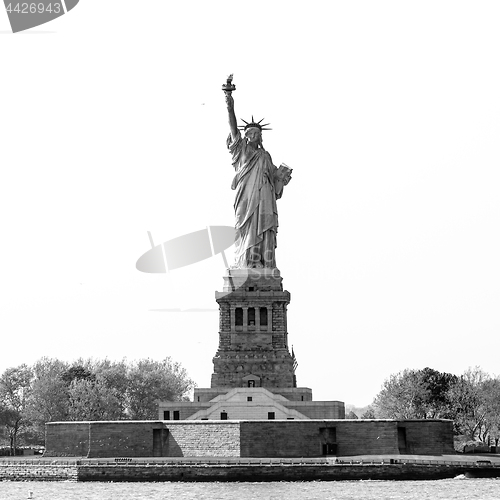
<point>251,438</point>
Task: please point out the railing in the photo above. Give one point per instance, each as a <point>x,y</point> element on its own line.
<point>419,461</point>
<point>39,462</point>
<point>210,461</point>
<point>185,461</point>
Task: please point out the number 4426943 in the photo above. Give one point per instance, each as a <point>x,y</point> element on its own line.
<point>34,8</point>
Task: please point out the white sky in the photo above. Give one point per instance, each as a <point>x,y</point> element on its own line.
<point>113,123</point>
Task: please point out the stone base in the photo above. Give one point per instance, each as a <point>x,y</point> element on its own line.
<point>253,346</point>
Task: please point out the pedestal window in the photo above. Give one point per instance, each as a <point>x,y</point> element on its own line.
<point>238,316</point>
<point>251,316</point>
<point>263,316</point>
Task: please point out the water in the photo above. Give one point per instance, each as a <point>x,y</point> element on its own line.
<point>446,489</point>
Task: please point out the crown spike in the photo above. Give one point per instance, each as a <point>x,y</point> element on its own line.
<point>254,124</point>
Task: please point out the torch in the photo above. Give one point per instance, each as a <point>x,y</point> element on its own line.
<point>229,86</point>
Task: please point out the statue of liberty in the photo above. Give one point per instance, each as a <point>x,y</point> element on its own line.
<point>258,184</point>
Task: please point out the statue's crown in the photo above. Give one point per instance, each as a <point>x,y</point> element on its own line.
<point>255,124</point>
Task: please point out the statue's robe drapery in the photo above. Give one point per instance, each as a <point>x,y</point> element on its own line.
<point>255,205</point>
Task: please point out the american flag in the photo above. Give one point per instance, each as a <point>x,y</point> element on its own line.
<point>295,364</point>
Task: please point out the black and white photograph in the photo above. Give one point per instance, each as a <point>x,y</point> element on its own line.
<point>250,250</point>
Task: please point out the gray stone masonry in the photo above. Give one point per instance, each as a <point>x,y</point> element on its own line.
<point>253,337</point>
<point>248,438</point>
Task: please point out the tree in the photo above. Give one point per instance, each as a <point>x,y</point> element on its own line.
<point>151,381</point>
<point>401,396</point>
<point>369,413</point>
<point>108,390</point>
<point>15,386</point>
<point>53,390</point>
<point>77,372</point>
<point>415,394</point>
<point>476,399</point>
<point>49,392</point>
<point>115,375</point>
<point>472,400</point>
<point>491,394</point>
<point>437,402</point>
<point>93,400</point>
<point>48,400</point>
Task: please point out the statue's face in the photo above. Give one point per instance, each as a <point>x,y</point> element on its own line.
<point>253,134</point>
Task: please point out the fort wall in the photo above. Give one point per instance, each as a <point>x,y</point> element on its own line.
<point>248,438</point>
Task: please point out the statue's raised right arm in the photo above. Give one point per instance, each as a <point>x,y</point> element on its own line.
<point>233,126</point>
